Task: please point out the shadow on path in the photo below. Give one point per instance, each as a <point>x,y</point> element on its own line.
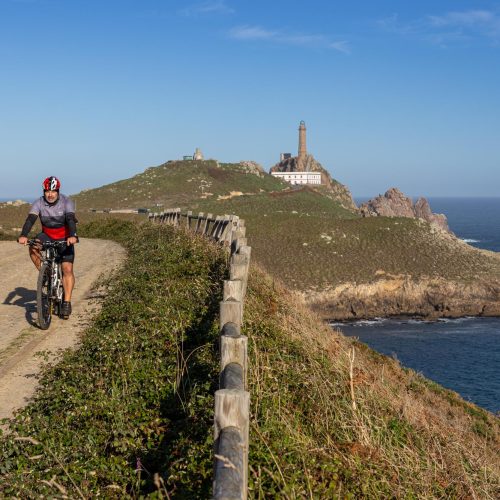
<point>23,297</point>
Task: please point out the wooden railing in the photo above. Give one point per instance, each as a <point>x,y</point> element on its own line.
<point>218,228</point>
<point>232,400</point>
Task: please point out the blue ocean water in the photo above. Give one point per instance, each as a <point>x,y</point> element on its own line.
<point>461,354</point>
<point>475,220</point>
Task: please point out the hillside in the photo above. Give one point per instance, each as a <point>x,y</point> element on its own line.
<point>346,266</point>
<point>129,414</point>
<point>178,183</point>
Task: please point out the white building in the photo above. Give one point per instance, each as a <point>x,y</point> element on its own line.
<point>299,177</point>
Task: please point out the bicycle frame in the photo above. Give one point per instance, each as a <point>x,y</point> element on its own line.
<point>56,288</point>
<point>50,291</point>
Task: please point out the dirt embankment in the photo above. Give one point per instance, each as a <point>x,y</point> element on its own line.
<point>21,341</point>
<point>401,295</point>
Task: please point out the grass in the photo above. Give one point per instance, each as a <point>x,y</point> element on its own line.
<point>401,436</point>
<point>135,398</point>
<point>177,183</point>
<point>304,236</point>
<point>129,413</point>
<point>311,242</point>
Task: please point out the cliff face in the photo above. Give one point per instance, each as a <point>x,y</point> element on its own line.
<point>395,204</point>
<point>401,295</point>
<point>310,164</point>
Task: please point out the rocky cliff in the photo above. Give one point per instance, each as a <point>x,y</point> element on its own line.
<point>403,296</point>
<point>395,204</point>
<point>337,191</point>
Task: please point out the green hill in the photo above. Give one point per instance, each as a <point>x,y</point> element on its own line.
<point>346,265</point>
<point>178,183</point>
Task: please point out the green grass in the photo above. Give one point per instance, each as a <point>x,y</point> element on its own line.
<point>177,183</point>
<point>311,242</point>
<point>136,397</point>
<point>130,412</point>
<point>304,236</point>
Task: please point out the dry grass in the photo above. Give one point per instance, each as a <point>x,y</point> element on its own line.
<point>400,436</point>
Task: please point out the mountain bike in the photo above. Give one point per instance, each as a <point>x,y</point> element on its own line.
<point>49,291</point>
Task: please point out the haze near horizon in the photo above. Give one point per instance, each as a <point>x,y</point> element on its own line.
<point>392,94</point>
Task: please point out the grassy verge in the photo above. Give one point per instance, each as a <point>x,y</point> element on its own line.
<point>136,397</point>
<point>327,425</point>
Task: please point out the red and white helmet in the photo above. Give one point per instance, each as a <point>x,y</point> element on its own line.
<point>51,184</point>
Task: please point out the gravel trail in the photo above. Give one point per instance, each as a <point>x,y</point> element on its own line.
<point>20,338</point>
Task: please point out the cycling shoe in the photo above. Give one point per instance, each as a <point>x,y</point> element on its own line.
<point>66,309</point>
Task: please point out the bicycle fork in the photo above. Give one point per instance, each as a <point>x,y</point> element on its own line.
<point>57,282</point>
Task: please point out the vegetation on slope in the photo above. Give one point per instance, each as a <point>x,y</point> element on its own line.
<point>311,242</point>
<point>333,419</point>
<point>136,397</point>
<point>177,183</point>
<point>302,235</point>
<point>130,411</point>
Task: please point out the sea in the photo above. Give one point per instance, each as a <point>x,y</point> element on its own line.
<point>461,354</point>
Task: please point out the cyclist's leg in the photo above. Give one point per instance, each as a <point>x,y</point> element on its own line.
<point>68,279</point>
<point>35,251</point>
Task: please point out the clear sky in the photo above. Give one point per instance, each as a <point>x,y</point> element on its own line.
<point>393,93</point>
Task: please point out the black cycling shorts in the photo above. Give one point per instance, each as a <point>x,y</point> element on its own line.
<point>68,255</point>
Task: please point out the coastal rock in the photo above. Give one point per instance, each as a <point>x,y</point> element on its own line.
<point>403,296</point>
<point>336,190</point>
<point>396,204</point>
<point>423,211</point>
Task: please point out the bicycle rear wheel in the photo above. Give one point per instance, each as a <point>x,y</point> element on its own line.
<point>43,299</point>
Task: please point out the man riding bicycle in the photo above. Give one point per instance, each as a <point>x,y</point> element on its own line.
<point>57,215</point>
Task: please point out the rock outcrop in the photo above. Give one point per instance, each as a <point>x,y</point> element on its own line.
<point>395,204</point>
<point>429,298</point>
<point>252,167</point>
<point>309,164</point>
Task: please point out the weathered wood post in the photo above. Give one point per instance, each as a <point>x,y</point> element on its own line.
<point>232,408</point>
<point>198,222</point>
<point>239,266</point>
<point>207,224</point>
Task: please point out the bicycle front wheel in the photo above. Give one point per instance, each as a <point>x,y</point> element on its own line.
<point>43,298</point>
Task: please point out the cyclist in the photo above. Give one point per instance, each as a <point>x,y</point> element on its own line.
<point>57,215</point>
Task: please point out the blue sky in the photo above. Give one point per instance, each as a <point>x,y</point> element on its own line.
<point>393,93</point>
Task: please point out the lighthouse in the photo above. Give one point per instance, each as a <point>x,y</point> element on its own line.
<point>302,141</point>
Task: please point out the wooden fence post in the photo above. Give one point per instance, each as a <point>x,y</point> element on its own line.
<point>233,350</point>
<point>207,224</point>
<point>198,222</point>
<point>231,424</point>
<point>230,312</point>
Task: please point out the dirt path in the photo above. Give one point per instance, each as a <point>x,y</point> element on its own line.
<point>20,338</point>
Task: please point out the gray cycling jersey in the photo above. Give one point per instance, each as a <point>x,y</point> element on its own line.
<point>53,217</point>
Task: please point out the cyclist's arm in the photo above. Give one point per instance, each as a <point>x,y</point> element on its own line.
<point>71,223</point>
<point>30,220</point>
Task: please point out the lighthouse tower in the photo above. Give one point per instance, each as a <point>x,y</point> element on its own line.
<point>302,141</point>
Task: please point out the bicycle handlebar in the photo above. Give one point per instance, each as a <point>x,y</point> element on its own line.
<point>47,244</point>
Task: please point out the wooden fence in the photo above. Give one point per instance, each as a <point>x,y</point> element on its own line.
<point>232,400</point>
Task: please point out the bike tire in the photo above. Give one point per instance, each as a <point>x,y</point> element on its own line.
<point>43,299</point>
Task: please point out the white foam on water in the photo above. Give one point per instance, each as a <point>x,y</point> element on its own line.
<point>361,322</point>
<point>470,240</point>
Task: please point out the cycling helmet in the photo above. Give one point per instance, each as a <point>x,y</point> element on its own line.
<point>51,184</point>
